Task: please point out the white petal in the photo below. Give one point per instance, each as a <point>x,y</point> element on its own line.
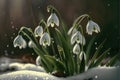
<point>70,30</point>
<point>49,20</point>
<point>53,19</point>
<point>20,42</point>
<point>45,39</point>
<point>92,27</point>
<point>38,61</point>
<point>56,20</point>
<point>82,54</point>
<point>73,38</point>
<point>24,44</point>
<point>89,27</point>
<point>38,31</point>
<point>74,31</point>
<point>49,41</point>
<point>41,40</point>
<point>97,29</point>
<point>31,44</point>
<point>78,37</point>
<point>76,49</point>
<point>82,42</point>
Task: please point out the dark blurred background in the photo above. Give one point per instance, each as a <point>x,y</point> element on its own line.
<point>16,13</point>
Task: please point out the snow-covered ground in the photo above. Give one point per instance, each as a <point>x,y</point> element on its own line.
<point>27,75</point>
<point>20,71</point>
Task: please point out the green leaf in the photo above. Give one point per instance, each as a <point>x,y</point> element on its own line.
<point>61,53</point>
<point>68,54</point>
<point>112,61</point>
<point>82,65</point>
<point>100,58</point>
<point>46,63</point>
<point>58,65</point>
<point>88,50</point>
<point>29,34</point>
<point>96,54</point>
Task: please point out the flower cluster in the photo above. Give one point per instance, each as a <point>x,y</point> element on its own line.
<point>58,51</point>
<point>44,40</point>
<point>78,39</point>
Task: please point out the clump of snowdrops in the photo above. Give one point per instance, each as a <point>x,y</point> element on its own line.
<point>61,50</point>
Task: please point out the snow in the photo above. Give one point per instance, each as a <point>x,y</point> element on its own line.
<point>99,73</point>
<point>28,66</point>
<point>33,72</point>
<point>27,75</point>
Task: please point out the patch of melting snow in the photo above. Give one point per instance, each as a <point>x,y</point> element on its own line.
<point>33,72</point>
<point>99,73</point>
<point>27,75</point>
<point>32,67</point>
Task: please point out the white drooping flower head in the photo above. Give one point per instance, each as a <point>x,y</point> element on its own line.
<point>76,49</point>
<point>45,39</point>
<point>31,44</point>
<point>78,37</point>
<point>38,31</point>
<point>20,42</point>
<point>92,27</point>
<point>82,55</point>
<point>52,20</point>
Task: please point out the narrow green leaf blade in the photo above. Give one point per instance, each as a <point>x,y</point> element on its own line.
<point>96,54</point>
<point>99,59</point>
<point>112,61</point>
<point>88,49</point>
<point>58,65</point>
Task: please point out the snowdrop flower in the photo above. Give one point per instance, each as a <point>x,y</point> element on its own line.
<point>72,31</point>
<point>38,31</point>
<point>92,27</point>
<point>45,39</point>
<point>76,49</point>
<point>53,19</point>
<point>20,42</point>
<point>78,37</point>
<point>31,44</point>
<point>38,61</point>
<point>82,55</point>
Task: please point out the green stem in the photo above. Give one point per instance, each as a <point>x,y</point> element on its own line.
<point>78,66</point>
<point>79,20</point>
